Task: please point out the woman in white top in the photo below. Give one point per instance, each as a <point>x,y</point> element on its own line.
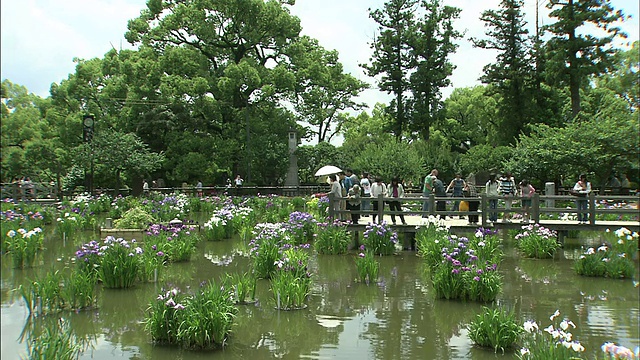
<point>378,188</point>
<point>582,189</point>
<point>491,189</point>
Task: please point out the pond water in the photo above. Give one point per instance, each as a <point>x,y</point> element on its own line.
<point>397,318</point>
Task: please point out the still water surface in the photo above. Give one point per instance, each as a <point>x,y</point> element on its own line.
<point>397,318</point>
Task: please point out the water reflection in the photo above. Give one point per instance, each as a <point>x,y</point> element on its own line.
<point>395,318</point>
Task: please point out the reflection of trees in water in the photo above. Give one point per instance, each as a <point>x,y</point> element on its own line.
<point>409,323</point>
<point>81,326</point>
<point>282,333</point>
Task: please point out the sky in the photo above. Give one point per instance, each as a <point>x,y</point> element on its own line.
<point>40,38</point>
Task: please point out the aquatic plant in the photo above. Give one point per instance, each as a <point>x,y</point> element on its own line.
<point>176,241</point>
<point>119,263</point>
<point>431,236</point>
<point>552,342</point>
<point>68,224</point>
<point>243,287</point>
<point>367,266</point>
<point>56,341</point>
<point>495,328</point>
<point>380,239</point>
<point>460,274</point>
<point>57,291</point>
<point>302,226</point>
<point>291,282</point>
<point>23,245</point>
<point>195,321</point>
<point>264,248</point>
<point>612,259</point>
<point>331,238</point>
<point>536,241</point>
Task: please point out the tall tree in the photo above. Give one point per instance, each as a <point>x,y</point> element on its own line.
<point>574,55</point>
<point>391,59</point>
<point>322,91</point>
<point>227,55</point>
<point>431,45</point>
<point>511,74</point>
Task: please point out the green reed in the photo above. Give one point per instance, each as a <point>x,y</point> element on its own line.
<point>56,341</point>
<point>538,242</point>
<point>368,267</point>
<point>495,328</point>
<point>244,287</point>
<point>57,291</point>
<point>120,263</point>
<point>195,321</point>
<point>23,246</point>
<point>332,238</point>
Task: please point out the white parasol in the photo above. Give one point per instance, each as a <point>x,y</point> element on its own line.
<point>328,170</point>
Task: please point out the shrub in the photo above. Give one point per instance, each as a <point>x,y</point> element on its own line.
<point>332,238</point>
<point>134,218</point>
<point>495,328</point>
<point>536,241</point>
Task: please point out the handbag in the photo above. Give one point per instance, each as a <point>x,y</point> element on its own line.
<point>577,193</point>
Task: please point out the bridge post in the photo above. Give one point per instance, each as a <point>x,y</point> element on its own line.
<point>332,213</point>
<point>592,208</point>
<point>432,204</point>
<point>484,208</point>
<point>535,208</point>
<point>380,208</point>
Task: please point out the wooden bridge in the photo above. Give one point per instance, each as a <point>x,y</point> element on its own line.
<point>604,212</point>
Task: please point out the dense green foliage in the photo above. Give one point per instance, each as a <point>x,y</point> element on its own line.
<point>192,104</point>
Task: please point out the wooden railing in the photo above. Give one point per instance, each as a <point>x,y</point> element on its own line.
<point>540,204</point>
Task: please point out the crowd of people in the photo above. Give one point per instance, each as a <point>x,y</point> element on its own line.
<point>354,194</point>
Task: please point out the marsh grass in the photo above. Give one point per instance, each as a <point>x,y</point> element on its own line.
<point>193,321</point>
<point>57,291</point>
<point>553,342</point>
<point>495,328</point>
<point>536,241</point>
<point>367,266</point>
<point>23,245</point>
<point>244,287</point>
<point>332,238</point>
<point>291,282</point>
<point>380,239</point>
<point>54,341</point>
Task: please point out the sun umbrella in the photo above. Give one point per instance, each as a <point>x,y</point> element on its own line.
<point>328,170</point>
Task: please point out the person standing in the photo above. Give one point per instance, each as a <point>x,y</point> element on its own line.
<point>441,194</point>
<point>457,185</point>
<point>145,188</point>
<point>474,204</point>
<point>507,189</point>
<point>365,185</point>
<point>582,189</point>
<point>378,188</point>
<point>526,191</point>
<point>238,182</point>
<point>427,190</point>
<point>491,189</point>
<point>199,188</point>
<point>353,203</point>
<point>395,190</point>
<point>334,194</point>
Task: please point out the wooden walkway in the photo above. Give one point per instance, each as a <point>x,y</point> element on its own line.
<point>457,224</point>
